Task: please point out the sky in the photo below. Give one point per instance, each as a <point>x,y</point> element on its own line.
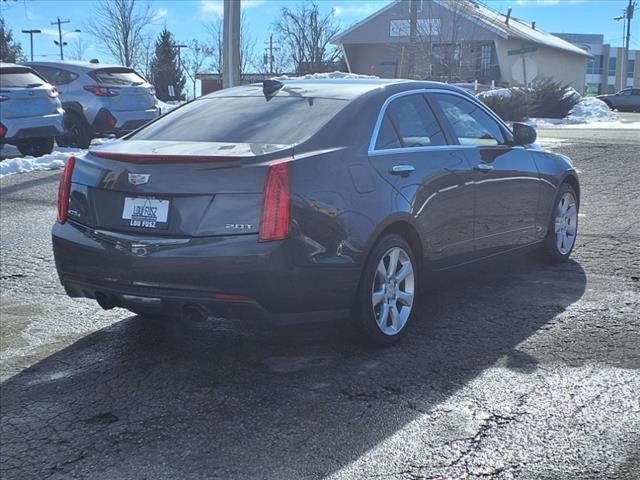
<point>187,19</point>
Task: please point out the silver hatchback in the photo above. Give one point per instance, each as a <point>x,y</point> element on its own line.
<point>31,115</point>
<point>99,99</point>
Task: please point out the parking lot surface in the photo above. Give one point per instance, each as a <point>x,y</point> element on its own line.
<point>514,369</point>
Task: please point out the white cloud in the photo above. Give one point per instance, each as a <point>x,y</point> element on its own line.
<point>160,16</point>
<point>358,9</point>
<point>216,7</point>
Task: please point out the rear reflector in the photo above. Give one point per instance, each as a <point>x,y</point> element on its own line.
<point>146,158</point>
<point>276,207</point>
<point>64,190</point>
<point>3,130</point>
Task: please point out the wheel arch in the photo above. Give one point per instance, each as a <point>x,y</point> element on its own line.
<point>572,180</point>
<point>403,225</point>
<point>76,109</point>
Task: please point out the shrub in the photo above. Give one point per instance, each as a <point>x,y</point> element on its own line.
<point>546,99</point>
<point>509,104</point>
<point>549,99</point>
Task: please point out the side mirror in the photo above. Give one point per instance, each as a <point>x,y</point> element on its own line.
<point>524,134</point>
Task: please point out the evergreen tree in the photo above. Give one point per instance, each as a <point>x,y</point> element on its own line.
<point>165,70</point>
<point>10,50</point>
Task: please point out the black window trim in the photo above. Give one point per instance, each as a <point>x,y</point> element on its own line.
<point>425,92</point>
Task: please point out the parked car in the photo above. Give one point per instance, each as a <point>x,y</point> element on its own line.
<point>30,112</point>
<point>625,100</point>
<point>99,99</point>
<point>306,200</point>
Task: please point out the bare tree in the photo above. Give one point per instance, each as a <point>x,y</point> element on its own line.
<point>118,26</point>
<point>145,55</point>
<point>248,56</point>
<point>77,49</point>
<point>306,33</point>
<point>199,54</point>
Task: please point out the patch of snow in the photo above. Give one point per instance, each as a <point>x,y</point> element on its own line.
<point>498,92</point>
<point>325,76</point>
<point>167,107</point>
<point>591,109</point>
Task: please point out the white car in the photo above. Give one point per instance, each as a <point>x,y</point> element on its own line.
<point>31,115</point>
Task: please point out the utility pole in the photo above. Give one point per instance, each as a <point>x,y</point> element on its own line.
<point>180,47</point>
<point>31,32</point>
<point>628,15</point>
<point>270,49</point>
<point>231,44</point>
<point>59,23</point>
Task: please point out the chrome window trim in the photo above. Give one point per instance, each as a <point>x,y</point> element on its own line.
<point>372,151</point>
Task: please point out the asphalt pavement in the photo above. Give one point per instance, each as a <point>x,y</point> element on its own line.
<point>514,369</point>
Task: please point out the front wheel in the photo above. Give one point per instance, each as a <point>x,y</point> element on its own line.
<point>386,300</point>
<point>563,227</point>
<point>37,147</point>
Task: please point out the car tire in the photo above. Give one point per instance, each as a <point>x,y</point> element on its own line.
<point>76,132</point>
<point>37,147</point>
<point>387,295</point>
<point>563,225</point>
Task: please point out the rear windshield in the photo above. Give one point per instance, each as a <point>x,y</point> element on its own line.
<point>281,120</point>
<point>117,77</point>
<point>19,77</point>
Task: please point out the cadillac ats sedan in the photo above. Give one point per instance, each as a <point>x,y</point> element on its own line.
<point>306,200</point>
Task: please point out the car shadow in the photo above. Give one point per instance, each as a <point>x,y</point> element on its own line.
<point>150,398</point>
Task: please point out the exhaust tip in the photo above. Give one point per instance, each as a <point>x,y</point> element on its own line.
<point>194,313</point>
<point>104,301</point>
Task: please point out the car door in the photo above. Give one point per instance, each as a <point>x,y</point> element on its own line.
<point>505,178</point>
<point>635,99</point>
<point>624,99</point>
<point>411,150</point>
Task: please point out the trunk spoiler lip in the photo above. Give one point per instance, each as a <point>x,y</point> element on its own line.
<point>150,158</point>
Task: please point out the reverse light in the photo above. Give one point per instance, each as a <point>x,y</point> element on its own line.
<point>64,190</point>
<point>101,91</point>
<point>276,206</point>
<point>3,130</point>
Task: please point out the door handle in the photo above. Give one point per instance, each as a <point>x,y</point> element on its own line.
<point>484,167</point>
<point>402,170</point>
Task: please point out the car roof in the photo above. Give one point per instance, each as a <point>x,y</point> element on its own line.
<point>338,88</point>
<point>12,65</point>
<point>74,64</point>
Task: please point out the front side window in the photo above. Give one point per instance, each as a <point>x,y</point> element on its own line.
<point>469,122</point>
<point>414,122</point>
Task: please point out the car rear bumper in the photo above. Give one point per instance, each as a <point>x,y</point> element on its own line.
<point>19,129</point>
<point>233,277</point>
<point>125,121</point>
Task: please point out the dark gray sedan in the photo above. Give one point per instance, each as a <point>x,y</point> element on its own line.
<point>307,200</point>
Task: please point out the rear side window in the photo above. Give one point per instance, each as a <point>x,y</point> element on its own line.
<point>56,76</point>
<point>19,78</point>
<point>116,77</point>
<point>414,122</point>
<point>387,136</point>
<point>252,119</point>
<point>470,123</point>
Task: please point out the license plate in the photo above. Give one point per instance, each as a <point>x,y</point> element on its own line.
<point>146,212</point>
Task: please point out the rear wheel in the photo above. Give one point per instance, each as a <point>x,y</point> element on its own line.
<point>563,227</point>
<point>37,146</point>
<point>76,132</point>
<point>387,292</point>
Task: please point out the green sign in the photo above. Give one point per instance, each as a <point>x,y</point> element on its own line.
<point>521,51</point>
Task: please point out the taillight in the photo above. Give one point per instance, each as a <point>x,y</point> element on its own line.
<point>276,206</point>
<point>3,130</point>
<point>64,190</point>
<point>53,93</point>
<point>101,91</point>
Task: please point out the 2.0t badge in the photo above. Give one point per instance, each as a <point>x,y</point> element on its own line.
<point>139,178</point>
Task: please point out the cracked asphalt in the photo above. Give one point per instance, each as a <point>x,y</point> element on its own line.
<point>514,369</point>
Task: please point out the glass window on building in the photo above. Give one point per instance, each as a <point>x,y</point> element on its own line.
<point>593,89</point>
<point>594,66</point>
<point>631,68</point>
<point>611,89</point>
<point>612,66</point>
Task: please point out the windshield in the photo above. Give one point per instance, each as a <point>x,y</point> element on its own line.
<point>19,78</point>
<point>281,120</point>
<point>117,77</point>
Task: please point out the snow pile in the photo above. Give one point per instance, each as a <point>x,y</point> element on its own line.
<point>55,159</point>
<point>591,109</point>
<point>167,107</point>
<point>325,76</point>
<point>498,92</point>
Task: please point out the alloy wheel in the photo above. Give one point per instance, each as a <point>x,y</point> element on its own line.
<point>566,223</point>
<point>393,291</point>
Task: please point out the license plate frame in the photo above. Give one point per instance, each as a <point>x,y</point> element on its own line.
<point>146,212</point>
